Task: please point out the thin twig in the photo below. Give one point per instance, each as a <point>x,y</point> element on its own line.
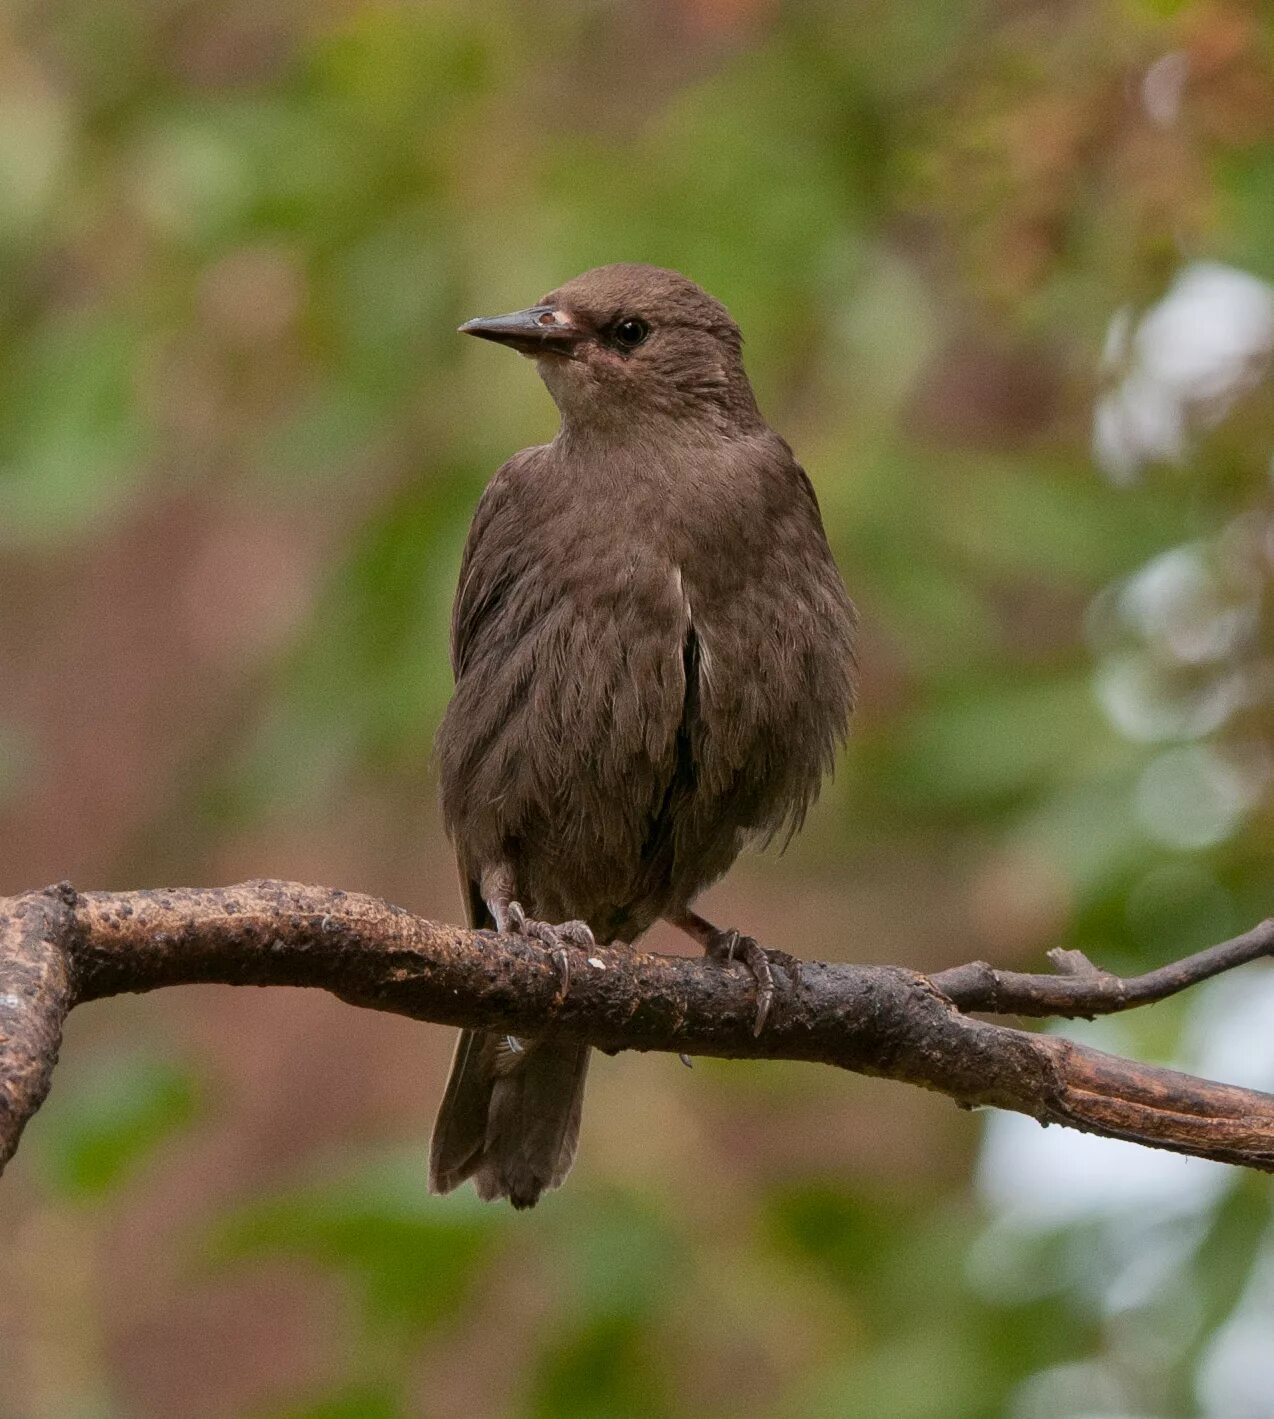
<point>1082,990</point>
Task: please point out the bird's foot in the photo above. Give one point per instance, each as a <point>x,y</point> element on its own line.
<point>731,945</point>
<point>555,938</point>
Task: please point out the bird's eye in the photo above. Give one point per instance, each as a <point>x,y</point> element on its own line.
<point>630,332</point>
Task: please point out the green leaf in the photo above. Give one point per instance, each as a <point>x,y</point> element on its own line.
<point>1054,525</point>
<point>982,742</point>
<point>411,1258</point>
<point>622,1261</point>
<point>370,1402</point>
<point>96,1134</point>
<point>609,1368</point>
<point>72,441</point>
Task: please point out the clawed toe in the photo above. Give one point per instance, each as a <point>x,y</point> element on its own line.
<point>555,938</point>
<point>730,945</point>
<point>723,945</point>
<point>793,965</point>
<point>562,960</point>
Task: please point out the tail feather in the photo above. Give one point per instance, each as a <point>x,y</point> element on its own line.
<point>460,1128</point>
<point>509,1120</point>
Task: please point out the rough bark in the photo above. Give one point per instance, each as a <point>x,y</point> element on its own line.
<point>59,949</point>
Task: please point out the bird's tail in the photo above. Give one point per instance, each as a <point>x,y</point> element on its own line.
<point>510,1116</point>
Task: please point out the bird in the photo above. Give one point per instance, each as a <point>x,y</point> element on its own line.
<point>654,660</point>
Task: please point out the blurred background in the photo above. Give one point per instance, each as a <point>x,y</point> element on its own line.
<point>1005,270</point>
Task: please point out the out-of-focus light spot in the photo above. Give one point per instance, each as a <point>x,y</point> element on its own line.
<point>1205,337</point>
<point>1152,598</point>
<point>1139,422</point>
<point>1229,1036</point>
<point>1043,1178</point>
<point>1186,361</point>
<point>1176,642</point>
<point>1141,1214</point>
<point>1142,703</point>
<point>1118,338</point>
<point>1087,1390</point>
<point>1236,1373</point>
<point>1176,600</point>
<point>1192,797</point>
<point>1163,87</point>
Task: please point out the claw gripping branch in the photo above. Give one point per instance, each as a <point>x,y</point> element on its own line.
<point>59,949</point>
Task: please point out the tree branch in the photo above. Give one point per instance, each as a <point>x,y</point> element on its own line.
<point>1082,990</point>
<point>59,949</point>
<point>36,937</point>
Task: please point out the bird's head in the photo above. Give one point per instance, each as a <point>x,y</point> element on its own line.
<point>630,341</point>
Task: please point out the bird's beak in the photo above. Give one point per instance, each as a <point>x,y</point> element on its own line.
<point>542,330</point>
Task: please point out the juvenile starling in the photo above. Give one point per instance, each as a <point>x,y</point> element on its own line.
<point>654,661</point>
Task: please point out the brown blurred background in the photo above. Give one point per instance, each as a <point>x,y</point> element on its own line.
<point>1004,273</point>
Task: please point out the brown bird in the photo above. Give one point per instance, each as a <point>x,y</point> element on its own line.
<point>654,661</point>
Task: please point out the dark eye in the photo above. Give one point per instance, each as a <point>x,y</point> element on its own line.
<point>630,332</point>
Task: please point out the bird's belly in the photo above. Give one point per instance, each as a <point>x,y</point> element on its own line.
<point>614,757</point>
<point>619,887</point>
<point>642,818</point>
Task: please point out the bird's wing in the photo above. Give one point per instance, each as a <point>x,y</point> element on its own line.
<point>487,568</point>
<point>487,573</point>
<point>476,911</point>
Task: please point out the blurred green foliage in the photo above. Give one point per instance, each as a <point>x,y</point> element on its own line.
<point>380,1231</point>
<point>98,1133</point>
<point>234,243</point>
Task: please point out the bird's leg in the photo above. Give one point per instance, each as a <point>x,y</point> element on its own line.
<point>510,916</point>
<point>554,937</point>
<point>728,945</point>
